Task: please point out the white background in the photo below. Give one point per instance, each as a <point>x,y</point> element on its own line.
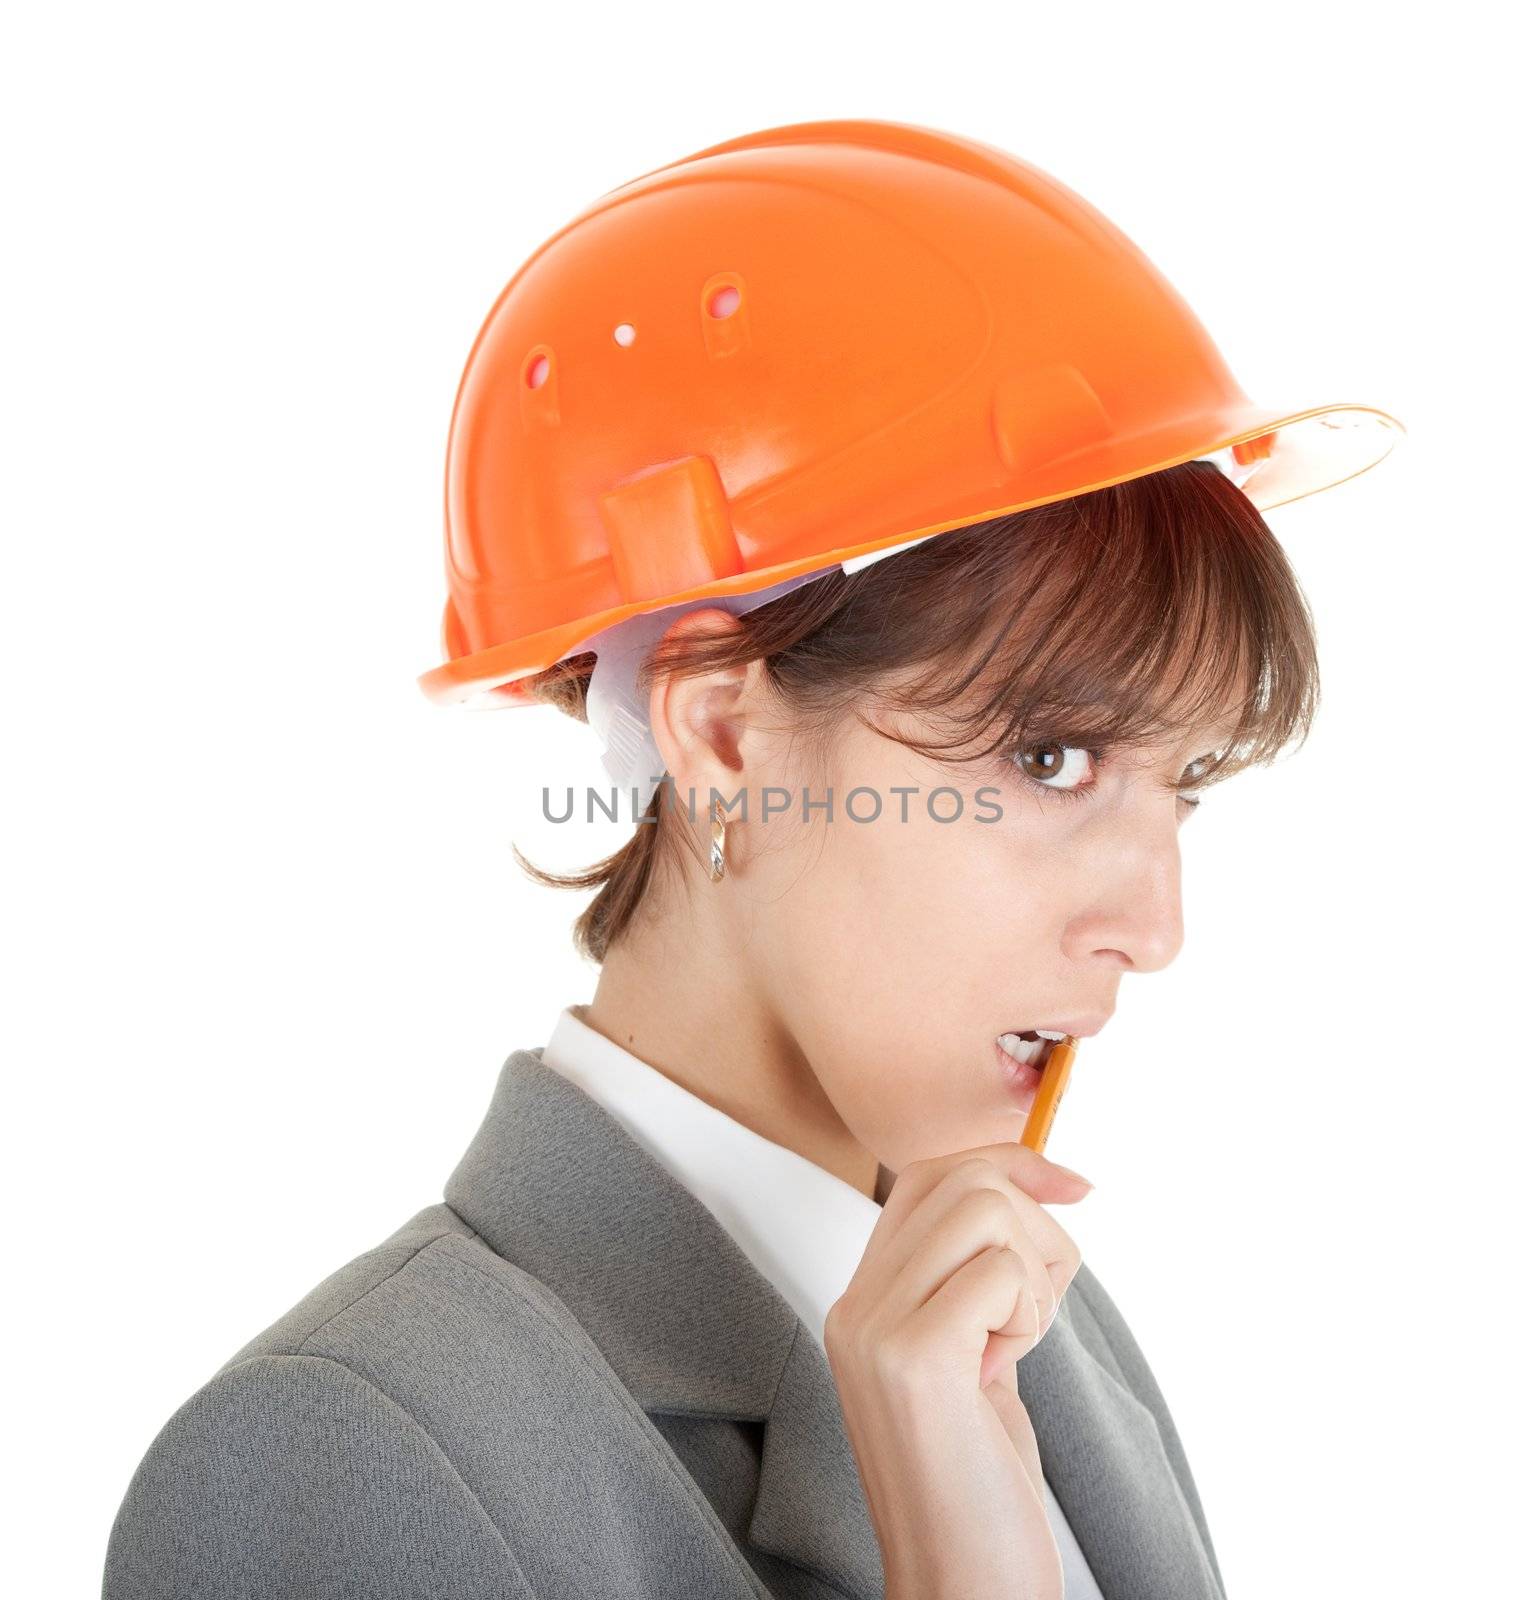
<point>267,945</point>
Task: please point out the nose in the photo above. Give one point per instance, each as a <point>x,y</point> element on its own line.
<point>1129,910</point>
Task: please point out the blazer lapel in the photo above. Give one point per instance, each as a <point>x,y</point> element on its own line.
<point>691,1327</point>
<point>558,1187</point>
<point>1104,1454</point>
<point>811,1507</point>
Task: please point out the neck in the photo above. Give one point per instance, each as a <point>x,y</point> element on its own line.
<point>674,993</point>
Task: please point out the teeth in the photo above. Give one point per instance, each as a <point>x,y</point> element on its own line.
<point>1045,1034</point>
<point>1022,1050</point>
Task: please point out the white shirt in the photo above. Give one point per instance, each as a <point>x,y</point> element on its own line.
<point>803,1228</point>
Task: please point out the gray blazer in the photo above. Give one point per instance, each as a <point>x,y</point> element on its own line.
<point>568,1382</point>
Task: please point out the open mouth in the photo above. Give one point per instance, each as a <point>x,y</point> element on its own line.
<point>1028,1047</point>
<point>1022,1055</point>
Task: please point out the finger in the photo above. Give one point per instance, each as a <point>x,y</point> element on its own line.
<point>1004,1396</point>
<point>1052,1239</point>
<point>1043,1285</point>
<point>1049,1243</point>
<point>989,1293</point>
<point>1034,1173</point>
<point>1003,1350</point>
<point>980,1221</point>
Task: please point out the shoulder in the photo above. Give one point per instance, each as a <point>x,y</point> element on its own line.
<point>433,1279</point>
<point>432,1295</point>
<point>351,1284</point>
<point>289,1474</point>
<point>369,1440</point>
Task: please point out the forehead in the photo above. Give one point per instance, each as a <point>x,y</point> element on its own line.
<point>1206,734</point>
<point>1209,712</point>
<point>1203,732</point>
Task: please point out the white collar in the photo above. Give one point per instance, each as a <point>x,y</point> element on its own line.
<point>804,1229</point>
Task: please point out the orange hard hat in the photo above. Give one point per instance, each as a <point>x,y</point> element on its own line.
<point>814,343</point>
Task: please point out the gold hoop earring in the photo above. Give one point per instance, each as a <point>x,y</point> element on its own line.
<point>717,840</point>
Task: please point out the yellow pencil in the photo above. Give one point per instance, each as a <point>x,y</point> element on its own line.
<point>1054,1079</point>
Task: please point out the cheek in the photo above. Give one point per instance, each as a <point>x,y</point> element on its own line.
<point>910,945</point>
<point>939,898</point>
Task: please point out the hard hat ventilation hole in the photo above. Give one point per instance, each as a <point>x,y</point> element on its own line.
<point>724,301</point>
<point>624,334</point>
<point>537,371</point>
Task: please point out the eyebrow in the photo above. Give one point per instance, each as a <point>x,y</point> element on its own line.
<point>1213,738</point>
<point>1217,734</point>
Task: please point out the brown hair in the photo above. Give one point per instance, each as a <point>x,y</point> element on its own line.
<point>1112,619</point>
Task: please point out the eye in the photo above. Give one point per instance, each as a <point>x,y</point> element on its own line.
<point>1050,764</point>
<point>1194,774</point>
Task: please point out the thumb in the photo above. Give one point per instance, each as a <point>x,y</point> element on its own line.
<point>1043,1180</point>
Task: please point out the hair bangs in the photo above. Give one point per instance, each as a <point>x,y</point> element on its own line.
<point>1152,611</point>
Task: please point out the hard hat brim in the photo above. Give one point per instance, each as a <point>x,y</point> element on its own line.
<point>1292,454</point>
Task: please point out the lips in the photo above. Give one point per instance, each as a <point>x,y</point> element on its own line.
<point>1021,1078</point>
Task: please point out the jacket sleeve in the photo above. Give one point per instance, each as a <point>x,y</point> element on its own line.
<point>291,1476</point>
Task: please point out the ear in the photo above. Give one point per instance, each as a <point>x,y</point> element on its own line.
<point>703,724</point>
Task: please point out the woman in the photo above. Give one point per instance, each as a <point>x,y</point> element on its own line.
<point>917,640</point>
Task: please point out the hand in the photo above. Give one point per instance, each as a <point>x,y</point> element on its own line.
<point>962,1276</point>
